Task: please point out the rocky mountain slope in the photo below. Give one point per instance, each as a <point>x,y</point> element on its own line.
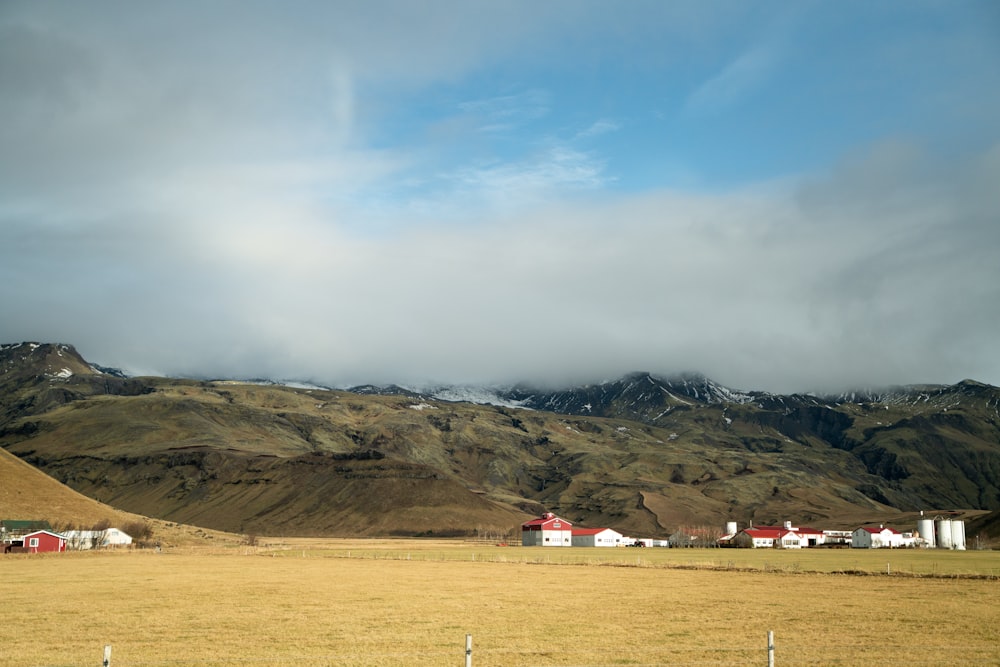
<point>642,454</point>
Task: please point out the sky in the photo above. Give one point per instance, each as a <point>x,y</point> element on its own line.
<point>786,196</point>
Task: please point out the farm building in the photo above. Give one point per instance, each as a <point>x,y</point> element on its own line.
<point>42,541</point>
<point>645,542</point>
<point>547,531</point>
<point>767,537</point>
<point>810,537</point>
<point>784,537</point>
<point>839,537</point>
<point>15,528</point>
<point>596,537</point>
<point>96,539</point>
<point>870,537</point>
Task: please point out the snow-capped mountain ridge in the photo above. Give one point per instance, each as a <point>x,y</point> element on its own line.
<point>637,393</point>
<point>647,397</point>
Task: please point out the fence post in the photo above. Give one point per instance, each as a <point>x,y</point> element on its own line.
<point>468,650</point>
<point>107,655</point>
<point>770,648</point>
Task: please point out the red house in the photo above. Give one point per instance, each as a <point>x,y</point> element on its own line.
<point>42,541</point>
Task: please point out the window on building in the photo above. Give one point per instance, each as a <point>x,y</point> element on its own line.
<point>33,542</point>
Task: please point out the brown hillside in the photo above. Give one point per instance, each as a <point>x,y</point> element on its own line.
<point>28,493</point>
<point>274,460</point>
<point>985,528</point>
<point>277,460</point>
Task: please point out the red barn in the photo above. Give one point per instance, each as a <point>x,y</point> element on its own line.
<point>547,531</point>
<point>42,541</point>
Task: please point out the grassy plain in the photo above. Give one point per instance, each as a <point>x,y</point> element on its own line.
<point>412,602</point>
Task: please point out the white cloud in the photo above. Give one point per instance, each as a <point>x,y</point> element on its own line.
<point>762,288</point>
<point>598,128</point>
<point>223,210</point>
<point>507,112</point>
<point>734,82</point>
<point>556,167</point>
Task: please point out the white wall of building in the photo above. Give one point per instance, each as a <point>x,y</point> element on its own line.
<point>605,538</point>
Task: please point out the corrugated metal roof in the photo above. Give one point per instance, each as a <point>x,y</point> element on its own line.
<point>875,531</point>
<point>766,531</point>
<point>542,521</point>
<point>21,525</point>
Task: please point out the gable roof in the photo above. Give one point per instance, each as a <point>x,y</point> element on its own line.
<point>769,533</point>
<point>44,532</point>
<point>591,531</point>
<point>772,532</point>
<point>876,531</point>
<point>544,520</point>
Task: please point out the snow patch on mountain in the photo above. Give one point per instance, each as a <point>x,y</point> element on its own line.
<point>475,394</point>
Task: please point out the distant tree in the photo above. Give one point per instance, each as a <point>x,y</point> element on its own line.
<point>695,536</point>
<point>708,536</point>
<point>75,541</point>
<point>141,532</point>
<point>99,533</point>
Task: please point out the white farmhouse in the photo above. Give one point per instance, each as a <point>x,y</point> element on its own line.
<point>810,537</point>
<point>870,537</point>
<point>767,537</point>
<point>96,539</point>
<point>596,537</point>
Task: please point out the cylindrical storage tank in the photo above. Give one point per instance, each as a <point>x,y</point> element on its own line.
<point>958,535</point>
<point>925,528</point>
<point>731,528</point>
<point>942,530</point>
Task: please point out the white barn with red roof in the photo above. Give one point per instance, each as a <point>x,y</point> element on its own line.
<point>768,537</point>
<point>547,531</point>
<point>596,537</point>
<point>783,537</point>
<point>810,537</point>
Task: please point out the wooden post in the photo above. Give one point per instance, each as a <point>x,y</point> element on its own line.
<point>468,650</point>
<point>107,655</point>
<point>770,648</point>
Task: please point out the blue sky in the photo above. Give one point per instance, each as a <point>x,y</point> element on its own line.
<point>786,196</point>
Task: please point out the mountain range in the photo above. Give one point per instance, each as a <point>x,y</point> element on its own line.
<point>643,454</point>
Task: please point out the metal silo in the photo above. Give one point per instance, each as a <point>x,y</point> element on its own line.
<point>925,528</point>
<point>958,535</point>
<point>731,528</point>
<point>942,530</point>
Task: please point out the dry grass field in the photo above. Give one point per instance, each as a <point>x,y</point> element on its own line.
<point>394,602</point>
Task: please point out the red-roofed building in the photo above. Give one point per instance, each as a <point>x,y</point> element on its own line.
<point>596,537</point>
<point>42,541</point>
<point>767,537</point>
<point>547,531</point>
<point>809,537</point>
<point>871,537</point>
<point>774,536</point>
